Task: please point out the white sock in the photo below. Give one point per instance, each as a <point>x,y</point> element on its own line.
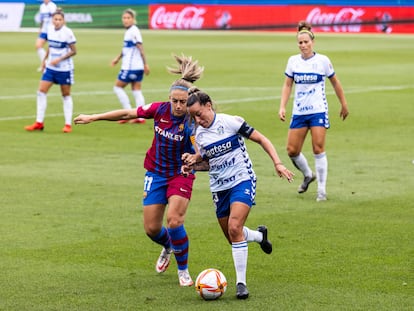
<point>302,164</point>
<point>68,109</point>
<point>42,53</point>
<point>252,235</point>
<point>239,251</point>
<point>139,98</point>
<point>321,166</point>
<point>122,96</point>
<point>41,106</point>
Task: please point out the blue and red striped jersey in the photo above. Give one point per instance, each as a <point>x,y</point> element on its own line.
<point>172,138</point>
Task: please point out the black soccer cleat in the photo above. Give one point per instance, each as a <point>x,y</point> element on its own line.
<point>265,244</point>
<point>306,181</point>
<point>242,292</point>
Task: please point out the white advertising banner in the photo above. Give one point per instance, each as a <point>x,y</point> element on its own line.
<point>11,15</point>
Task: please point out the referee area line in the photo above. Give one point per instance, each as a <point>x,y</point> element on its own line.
<point>220,102</point>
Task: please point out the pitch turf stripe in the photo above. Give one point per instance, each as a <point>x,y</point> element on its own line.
<point>222,101</point>
<point>104,93</point>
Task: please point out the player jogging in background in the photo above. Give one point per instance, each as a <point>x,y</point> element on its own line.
<point>134,65</point>
<point>47,8</point>
<point>308,70</point>
<point>222,150</point>
<point>58,68</point>
<point>163,183</point>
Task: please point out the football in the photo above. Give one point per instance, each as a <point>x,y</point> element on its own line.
<point>211,284</point>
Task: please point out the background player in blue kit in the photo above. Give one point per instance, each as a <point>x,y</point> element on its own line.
<point>134,65</point>
<point>46,9</point>
<point>220,141</point>
<point>308,70</point>
<point>58,69</point>
<point>163,184</point>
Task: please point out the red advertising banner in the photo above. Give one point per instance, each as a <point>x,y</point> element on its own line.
<point>352,19</point>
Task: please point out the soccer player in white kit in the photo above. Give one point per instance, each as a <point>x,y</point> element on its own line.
<point>220,141</point>
<point>134,65</point>
<point>47,8</point>
<point>57,67</point>
<point>308,70</point>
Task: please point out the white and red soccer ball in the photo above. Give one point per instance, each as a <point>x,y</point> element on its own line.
<point>211,284</point>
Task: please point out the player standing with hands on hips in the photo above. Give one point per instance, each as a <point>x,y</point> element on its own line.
<point>163,183</point>
<point>57,67</point>
<point>308,70</point>
<point>222,151</point>
<point>134,65</point>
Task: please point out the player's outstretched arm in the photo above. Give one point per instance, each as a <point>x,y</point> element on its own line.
<point>114,115</point>
<point>267,145</point>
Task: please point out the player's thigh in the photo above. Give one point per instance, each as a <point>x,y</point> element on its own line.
<point>177,208</point>
<point>136,85</point>
<point>44,86</point>
<point>153,218</point>
<point>318,139</point>
<point>65,89</point>
<point>296,138</point>
<point>223,222</point>
<point>238,216</point>
<point>120,83</point>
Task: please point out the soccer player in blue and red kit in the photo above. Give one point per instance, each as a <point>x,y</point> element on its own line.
<point>163,184</point>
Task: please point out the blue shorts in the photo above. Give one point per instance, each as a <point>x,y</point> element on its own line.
<point>244,192</point>
<point>310,120</point>
<point>157,189</point>
<point>129,76</point>
<point>58,77</point>
<point>43,35</point>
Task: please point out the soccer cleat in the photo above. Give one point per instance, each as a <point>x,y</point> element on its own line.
<point>242,292</point>
<point>163,261</point>
<point>321,197</point>
<point>185,278</point>
<point>67,128</point>
<point>123,121</point>
<point>139,121</point>
<point>306,181</point>
<point>37,126</point>
<point>265,244</point>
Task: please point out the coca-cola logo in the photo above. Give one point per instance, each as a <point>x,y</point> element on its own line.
<point>345,20</point>
<point>189,17</point>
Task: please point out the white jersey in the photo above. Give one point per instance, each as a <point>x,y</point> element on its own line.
<point>45,13</point>
<point>224,147</point>
<point>59,41</point>
<point>131,55</point>
<point>309,76</point>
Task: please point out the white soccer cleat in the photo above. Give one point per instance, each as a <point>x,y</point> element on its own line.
<point>163,261</point>
<point>321,197</point>
<point>185,278</point>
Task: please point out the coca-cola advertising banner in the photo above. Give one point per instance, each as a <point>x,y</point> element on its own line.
<point>352,19</point>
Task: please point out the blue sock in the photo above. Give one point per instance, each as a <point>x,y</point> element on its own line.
<point>163,238</point>
<point>180,243</point>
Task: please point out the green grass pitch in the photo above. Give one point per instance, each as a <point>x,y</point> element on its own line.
<point>71,233</point>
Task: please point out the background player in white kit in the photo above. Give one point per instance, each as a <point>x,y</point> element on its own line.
<point>220,140</point>
<point>57,67</point>
<point>134,64</point>
<point>308,70</point>
<point>47,8</point>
